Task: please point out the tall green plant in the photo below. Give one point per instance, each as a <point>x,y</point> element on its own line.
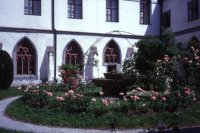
<point>6,70</point>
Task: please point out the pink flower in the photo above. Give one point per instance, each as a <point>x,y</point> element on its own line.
<point>125,99</point>
<point>139,89</point>
<point>158,62</point>
<point>190,61</point>
<point>67,94</point>
<point>196,57</point>
<point>194,99</point>
<point>186,88</point>
<point>135,98</point>
<point>94,100</point>
<point>79,95</point>
<point>105,102</point>
<point>59,98</point>
<point>192,48</point>
<point>121,94</point>
<point>166,59</point>
<point>187,92</point>
<point>153,98</point>
<point>163,98</point>
<point>49,94</point>
<point>186,58</point>
<point>71,92</point>
<point>101,93</point>
<point>154,93</point>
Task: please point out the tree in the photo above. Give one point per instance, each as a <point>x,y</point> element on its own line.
<point>6,70</point>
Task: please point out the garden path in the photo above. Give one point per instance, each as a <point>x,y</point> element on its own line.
<point>6,122</point>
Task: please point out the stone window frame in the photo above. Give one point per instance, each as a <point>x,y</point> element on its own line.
<point>80,50</point>
<point>119,53</point>
<point>33,75</point>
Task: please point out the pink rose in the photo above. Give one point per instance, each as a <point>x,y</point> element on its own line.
<point>121,94</point>
<point>153,98</point>
<point>71,92</point>
<point>154,93</point>
<point>135,98</point>
<point>105,102</point>
<point>190,61</point>
<point>101,93</point>
<point>67,94</point>
<point>49,93</point>
<point>163,98</point>
<point>94,100</point>
<point>139,89</point>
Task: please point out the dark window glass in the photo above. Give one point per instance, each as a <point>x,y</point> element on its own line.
<point>166,22</point>
<point>145,11</point>
<point>75,9</point>
<point>32,7</point>
<point>112,10</point>
<point>112,53</point>
<point>73,54</point>
<point>193,10</point>
<point>25,58</point>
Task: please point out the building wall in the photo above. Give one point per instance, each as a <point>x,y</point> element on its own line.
<point>40,42</point>
<point>14,26</point>
<point>94,18</point>
<point>180,25</point>
<point>12,15</point>
<point>85,43</point>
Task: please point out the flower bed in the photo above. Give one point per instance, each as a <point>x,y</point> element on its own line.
<point>167,82</point>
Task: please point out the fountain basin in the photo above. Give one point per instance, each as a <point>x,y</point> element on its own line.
<point>113,75</point>
<point>112,87</point>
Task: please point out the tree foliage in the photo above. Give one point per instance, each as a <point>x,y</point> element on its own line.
<point>6,70</point>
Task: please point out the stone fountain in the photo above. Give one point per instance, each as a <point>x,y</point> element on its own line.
<point>113,84</point>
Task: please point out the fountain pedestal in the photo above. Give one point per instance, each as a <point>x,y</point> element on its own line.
<point>113,84</point>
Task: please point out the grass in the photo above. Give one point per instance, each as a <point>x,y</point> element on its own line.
<point>19,110</point>
<point>12,91</point>
<point>44,116</point>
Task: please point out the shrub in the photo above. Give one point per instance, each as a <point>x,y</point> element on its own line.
<point>6,70</point>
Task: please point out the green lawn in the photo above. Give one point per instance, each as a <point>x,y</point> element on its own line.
<point>18,110</point>
<point>186,117</point>
<point>12,91</point>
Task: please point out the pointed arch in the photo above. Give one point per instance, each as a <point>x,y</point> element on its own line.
<point>73,53</point>
<point>25,57</point>
<point>112,53</point>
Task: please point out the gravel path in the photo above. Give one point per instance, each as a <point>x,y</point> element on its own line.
<point>7,123</point>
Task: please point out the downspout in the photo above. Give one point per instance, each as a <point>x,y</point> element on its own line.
<point>161,16</point>
<point>54,36</point>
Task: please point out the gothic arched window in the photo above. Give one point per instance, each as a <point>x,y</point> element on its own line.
<point>73,54</point>
<point>112,53</point>
<point>25,58</point>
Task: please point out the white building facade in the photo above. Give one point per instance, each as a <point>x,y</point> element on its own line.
<point>182,17</point>
<point>41,35</point>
